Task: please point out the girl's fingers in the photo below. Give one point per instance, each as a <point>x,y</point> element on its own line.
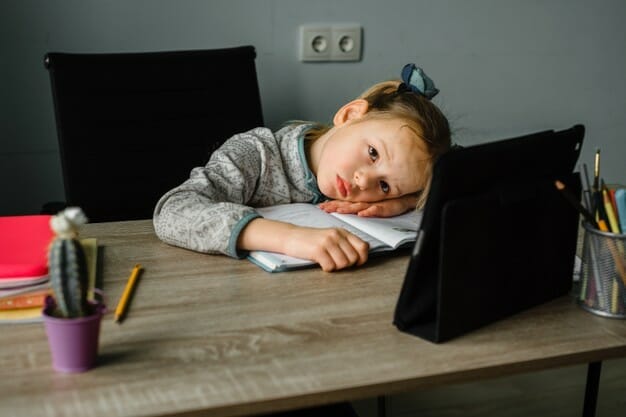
<point>347,251</point>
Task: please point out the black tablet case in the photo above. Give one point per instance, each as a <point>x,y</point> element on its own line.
<point>496,237</point>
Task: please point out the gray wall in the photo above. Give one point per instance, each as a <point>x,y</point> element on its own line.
<point>504,67</point>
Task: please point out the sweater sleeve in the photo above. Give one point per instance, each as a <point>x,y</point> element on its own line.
<point>208,211</point>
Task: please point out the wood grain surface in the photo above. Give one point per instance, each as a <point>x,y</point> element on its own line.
<point>210,335</point>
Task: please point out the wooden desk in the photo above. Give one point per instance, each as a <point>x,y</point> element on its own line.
<point>208,335</point>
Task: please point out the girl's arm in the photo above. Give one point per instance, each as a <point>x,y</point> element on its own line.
<point>333,248</point>
<point>384,208</point>
<point>207,212</point>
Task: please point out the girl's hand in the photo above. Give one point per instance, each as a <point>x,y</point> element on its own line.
<point>333,248</point>
<point>384,208</point>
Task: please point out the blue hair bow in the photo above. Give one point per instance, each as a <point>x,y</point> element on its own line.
<point>416,80</point>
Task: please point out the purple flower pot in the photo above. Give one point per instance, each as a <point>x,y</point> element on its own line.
<point>73,342</point>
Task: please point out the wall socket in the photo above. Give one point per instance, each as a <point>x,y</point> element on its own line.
<point>330,42</point>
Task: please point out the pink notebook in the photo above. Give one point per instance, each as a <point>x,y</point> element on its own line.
<point>24,242</point>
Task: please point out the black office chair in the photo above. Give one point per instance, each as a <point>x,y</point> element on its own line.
<point>132,125</point>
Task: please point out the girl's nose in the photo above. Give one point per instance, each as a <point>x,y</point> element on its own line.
<point>361,179</point>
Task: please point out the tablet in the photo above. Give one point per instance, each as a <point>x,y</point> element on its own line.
<point>496,236</point>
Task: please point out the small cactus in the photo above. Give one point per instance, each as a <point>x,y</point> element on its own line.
<point>67,265</point>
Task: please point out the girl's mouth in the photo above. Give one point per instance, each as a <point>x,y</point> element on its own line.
<point>342,186</point>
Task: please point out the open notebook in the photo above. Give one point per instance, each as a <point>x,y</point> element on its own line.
<point>382,234</point>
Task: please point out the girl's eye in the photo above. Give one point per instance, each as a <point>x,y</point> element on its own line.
<point>384,187</point>
<point>373,153</point>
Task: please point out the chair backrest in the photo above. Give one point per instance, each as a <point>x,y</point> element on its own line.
<point>132,125</point>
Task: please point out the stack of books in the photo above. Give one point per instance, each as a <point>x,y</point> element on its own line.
<point>24,283</point>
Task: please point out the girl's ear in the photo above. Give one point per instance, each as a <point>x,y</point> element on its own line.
<point>353,110</point>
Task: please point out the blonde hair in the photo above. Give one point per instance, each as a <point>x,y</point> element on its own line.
<point>385,100</point>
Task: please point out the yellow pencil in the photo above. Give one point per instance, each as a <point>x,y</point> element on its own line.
<point>610,213</point>
<point>596,171</point>
<point>615,297</point>
<point>120,311</point>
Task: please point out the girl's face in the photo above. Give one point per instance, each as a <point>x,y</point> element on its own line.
<point>369,160</point>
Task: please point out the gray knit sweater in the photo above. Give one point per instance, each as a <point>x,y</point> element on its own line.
<point>254,169</point>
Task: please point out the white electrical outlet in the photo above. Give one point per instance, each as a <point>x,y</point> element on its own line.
<point>330,42</point>
<point>315,43</point>
<point>346,43</point>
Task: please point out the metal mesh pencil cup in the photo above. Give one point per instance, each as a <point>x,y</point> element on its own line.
<point>603,278</point>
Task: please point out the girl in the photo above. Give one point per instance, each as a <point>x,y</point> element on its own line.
<point>375,160</point>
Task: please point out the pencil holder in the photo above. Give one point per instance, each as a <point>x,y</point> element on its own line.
<point>603,279</point>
